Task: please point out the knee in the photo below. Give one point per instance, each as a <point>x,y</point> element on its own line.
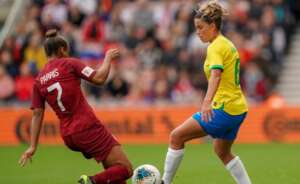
<point>225,156</point>
<point>176,140</point>
<point>125,165</point>
<point>129,170</point>
<point>128,166</point>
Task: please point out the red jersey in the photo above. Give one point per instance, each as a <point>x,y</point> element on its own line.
<point>59,84</point>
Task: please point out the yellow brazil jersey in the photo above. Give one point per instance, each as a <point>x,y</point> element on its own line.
<point>222,54</point>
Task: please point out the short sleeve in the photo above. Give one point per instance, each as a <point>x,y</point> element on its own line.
<point>81,70</point>
<point>215,58</point>
<point>38,101</point>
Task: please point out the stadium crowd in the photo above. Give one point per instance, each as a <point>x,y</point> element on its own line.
<point>162,57</point>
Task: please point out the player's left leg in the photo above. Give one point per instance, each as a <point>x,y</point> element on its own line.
<point>117,168</point>
<point>233,163</point>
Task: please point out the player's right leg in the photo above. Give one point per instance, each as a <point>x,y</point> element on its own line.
<point>100,144</point>
<point>117,168</point>
<point>189,130</point>
<point>84,179</point>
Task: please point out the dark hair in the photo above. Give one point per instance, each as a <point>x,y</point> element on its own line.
<point>54,42</point>
<point>211,12</point>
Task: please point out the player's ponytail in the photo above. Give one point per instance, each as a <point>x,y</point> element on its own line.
<point>211,12</point>
<point>51,33</point>
<point>53,43</point>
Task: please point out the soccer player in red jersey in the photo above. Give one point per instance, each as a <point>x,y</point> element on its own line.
<point>58,84</point>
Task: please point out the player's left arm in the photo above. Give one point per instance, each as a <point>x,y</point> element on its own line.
<point>36,125</point>
<point>38,107</point>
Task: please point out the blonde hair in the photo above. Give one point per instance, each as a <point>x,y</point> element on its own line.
<point>211,12</point>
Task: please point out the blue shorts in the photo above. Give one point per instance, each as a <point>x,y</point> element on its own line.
<point>222,125</point>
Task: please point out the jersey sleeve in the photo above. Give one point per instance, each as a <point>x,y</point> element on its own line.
<point>215,58</point>
<point>82,71</point>
<point>38,101</point>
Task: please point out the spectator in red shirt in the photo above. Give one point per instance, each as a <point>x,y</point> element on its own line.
<point>93,29</point>
<point>6,85</point>
<point>24,83</point>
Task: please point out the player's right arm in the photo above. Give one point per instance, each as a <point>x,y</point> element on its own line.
<point>216,67</point>
<point>103,71</point>
<point>98,76</point>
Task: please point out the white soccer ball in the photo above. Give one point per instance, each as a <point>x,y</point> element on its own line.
<point>146,174</point>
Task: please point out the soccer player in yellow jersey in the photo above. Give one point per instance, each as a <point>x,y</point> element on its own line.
<point>224,107</point>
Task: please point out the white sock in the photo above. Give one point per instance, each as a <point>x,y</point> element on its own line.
<point>172,162</point>
<point>238,171</point>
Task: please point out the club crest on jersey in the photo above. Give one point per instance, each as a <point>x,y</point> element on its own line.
<point>50,75</point>
<point>87,71</point>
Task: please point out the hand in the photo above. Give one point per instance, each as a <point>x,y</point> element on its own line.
<point>112,54</point>
<point>27,155</point>
<point>206,111</point>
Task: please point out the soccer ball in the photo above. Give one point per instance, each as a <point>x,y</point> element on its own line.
<point>146,174</point>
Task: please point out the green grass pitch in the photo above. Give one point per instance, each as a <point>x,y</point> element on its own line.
<point>266,164</point>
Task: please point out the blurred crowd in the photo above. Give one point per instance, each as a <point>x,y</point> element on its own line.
<point>161,56</point>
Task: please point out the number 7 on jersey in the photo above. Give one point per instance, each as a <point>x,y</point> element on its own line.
<point>57,86</point>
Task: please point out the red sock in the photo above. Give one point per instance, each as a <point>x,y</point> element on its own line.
<point>113,175</point>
